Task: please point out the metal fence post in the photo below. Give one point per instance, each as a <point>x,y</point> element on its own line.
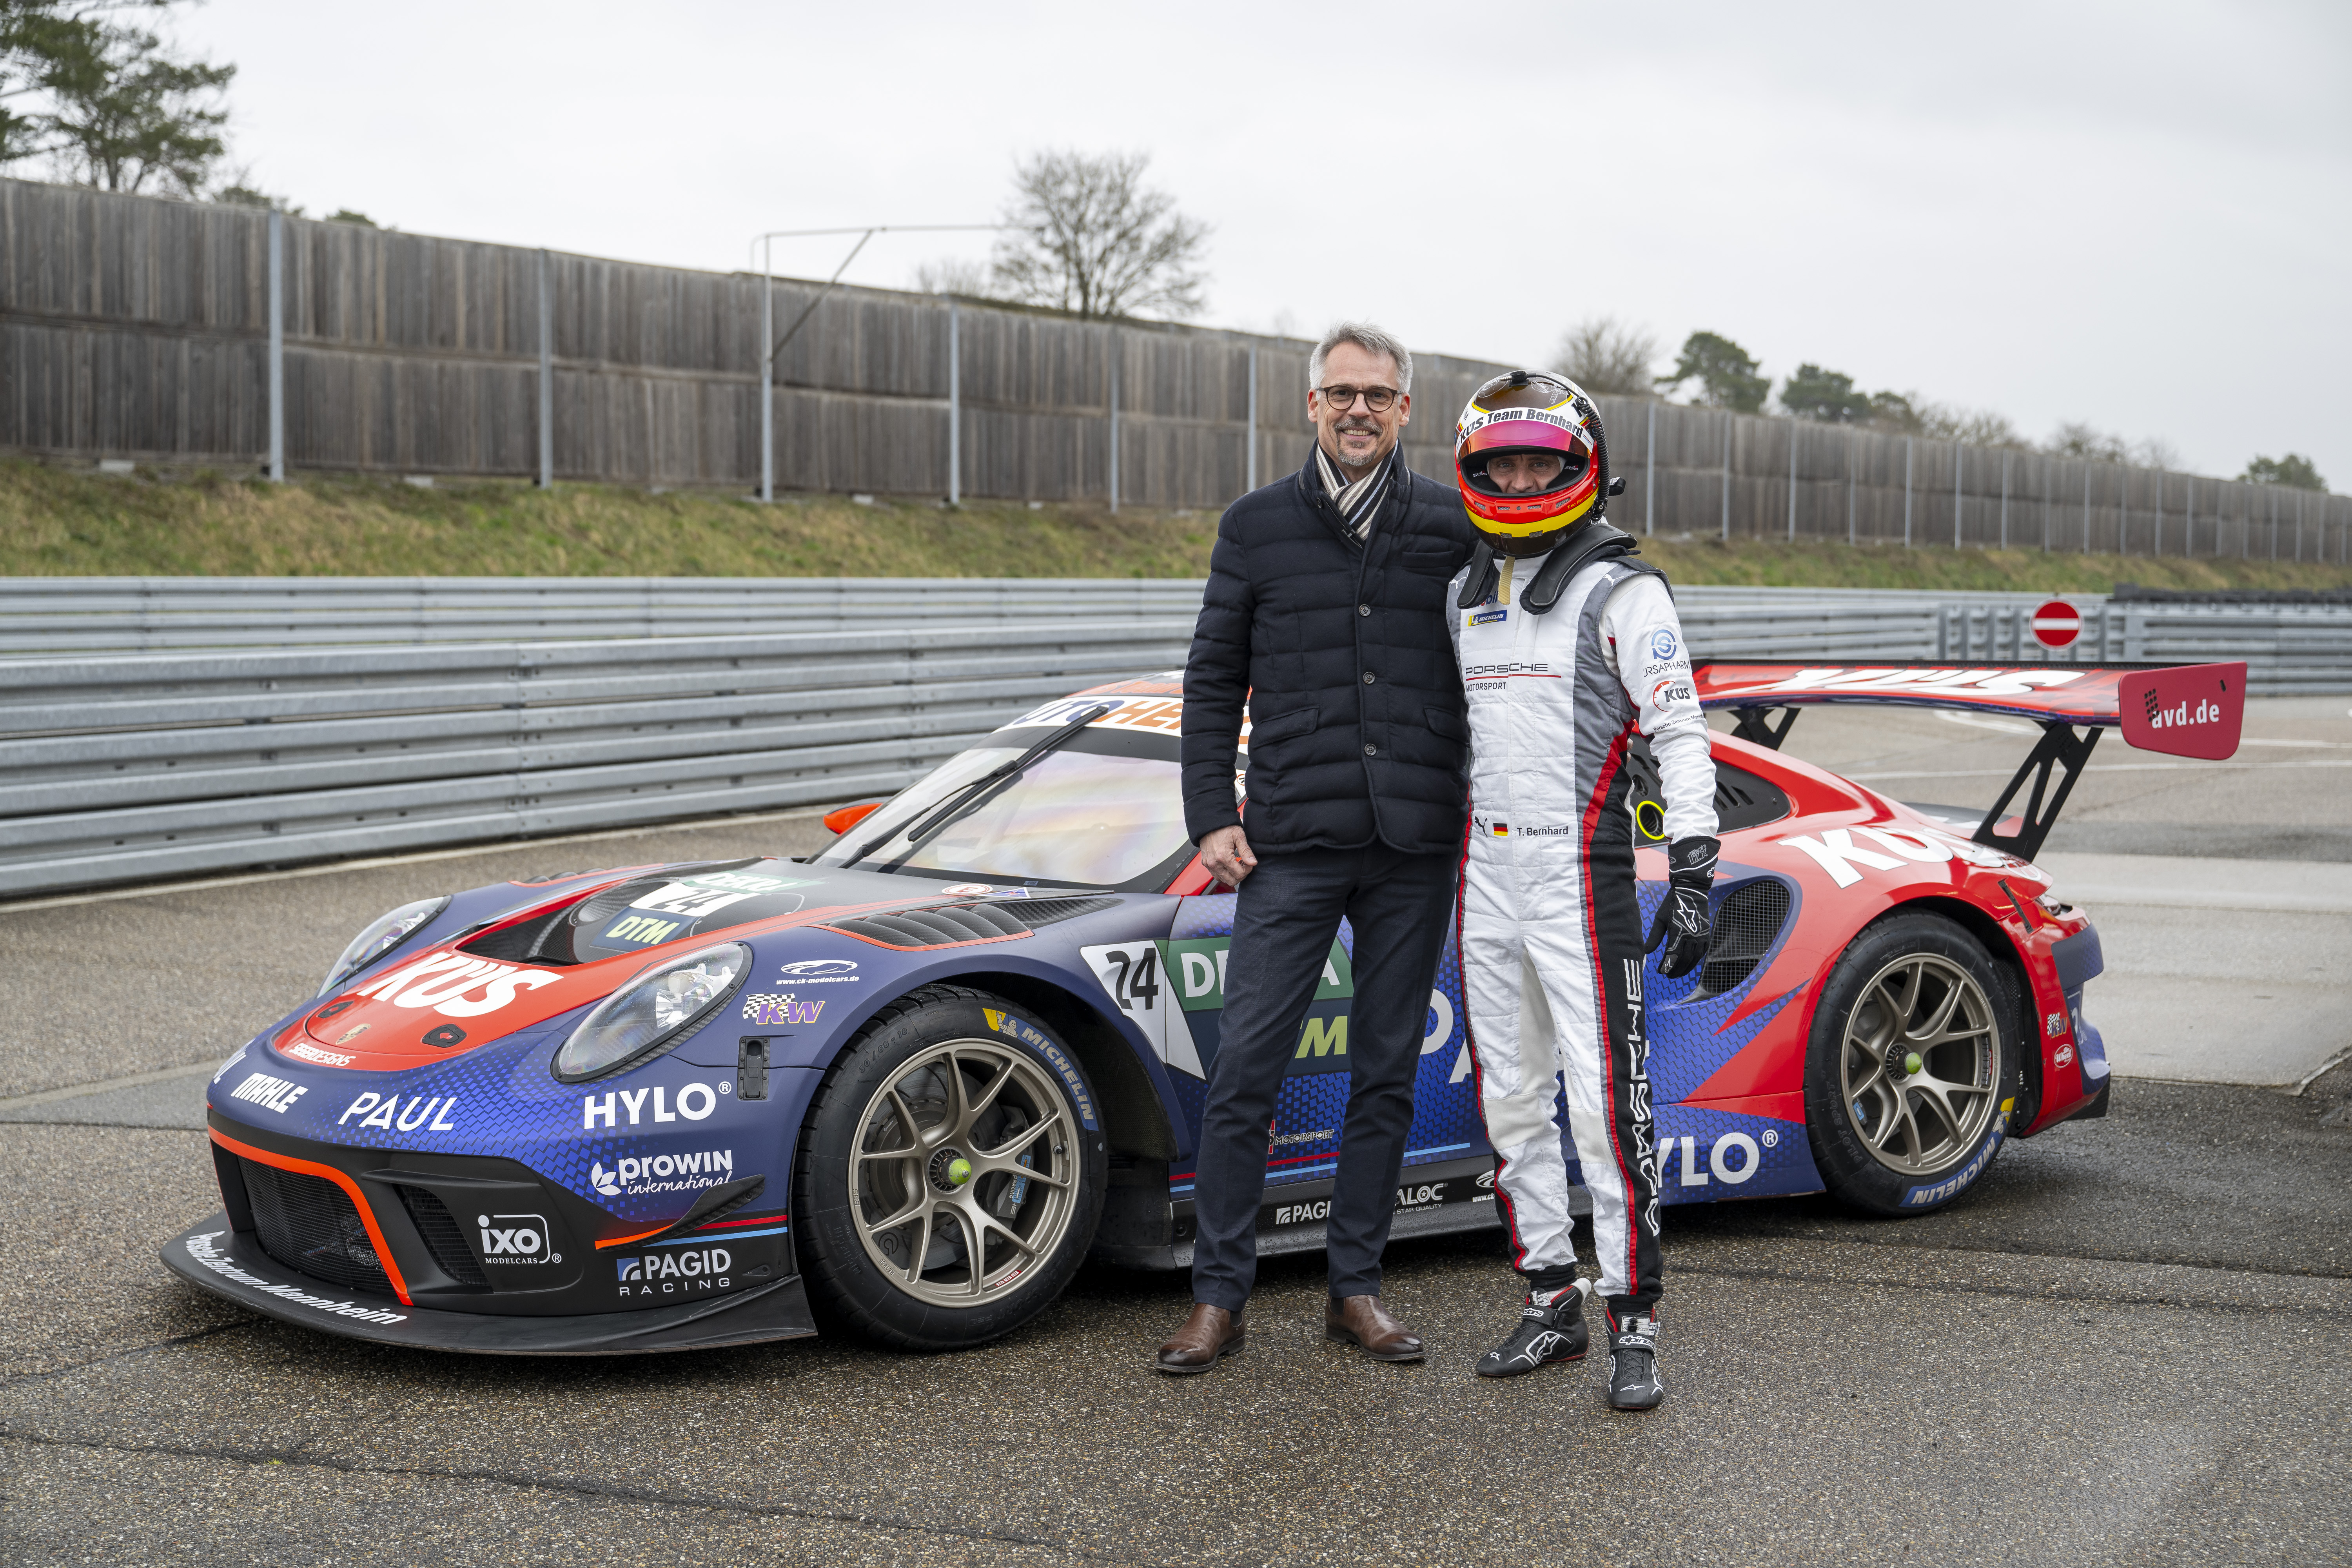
<point>2274,495</point>
<point>1649,474</point>
<point>1114,420</point>
<point>2188,521</point>
<point>1793,481</point>
<point>767,369</point>
<point>1250,466</point>
<point>1907,492</point>
<point>2087,509</point>
<point>2298,525</point>
<point>277,344</point>
<point>1959,457</point>
<point>546,376</point>
<point>2155,545</point>
<point>955,403</point>
<point>1727,420</point>
<point>2004,500</point>
<point>1849,488</point>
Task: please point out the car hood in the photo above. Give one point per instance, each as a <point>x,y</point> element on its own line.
<point>552,957</point>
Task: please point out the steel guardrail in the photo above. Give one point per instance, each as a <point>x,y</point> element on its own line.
<point>141,766</point>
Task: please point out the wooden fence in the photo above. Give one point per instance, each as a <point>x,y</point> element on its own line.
<point>137,328</point>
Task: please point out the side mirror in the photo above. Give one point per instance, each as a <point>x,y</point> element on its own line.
<point>849,816</point>
<point>1617,485</point>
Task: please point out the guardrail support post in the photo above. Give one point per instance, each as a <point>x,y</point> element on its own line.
<point>276,345</point>
<point>546,375</point>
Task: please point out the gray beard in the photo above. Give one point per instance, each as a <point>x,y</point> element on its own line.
<point>1355,471</point>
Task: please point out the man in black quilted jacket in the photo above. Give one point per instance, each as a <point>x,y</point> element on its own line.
<point>1326,616</point>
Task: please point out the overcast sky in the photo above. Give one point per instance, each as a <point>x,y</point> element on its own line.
<point>2130,214</point>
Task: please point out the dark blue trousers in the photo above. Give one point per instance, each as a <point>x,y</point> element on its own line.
<point>1289,909</point>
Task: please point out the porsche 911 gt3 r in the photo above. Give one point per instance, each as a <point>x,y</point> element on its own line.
<point>903,1086</point>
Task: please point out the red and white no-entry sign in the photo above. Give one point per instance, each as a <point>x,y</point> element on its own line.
<point>2057,623</point>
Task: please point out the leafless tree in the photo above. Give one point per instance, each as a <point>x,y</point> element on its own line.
<point>1089,238</point>
<point>955,275</point>
<point>1601,355</point>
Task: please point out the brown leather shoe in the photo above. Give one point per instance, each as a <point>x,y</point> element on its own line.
<point>1361,1320</point>
<point>1208,1336</point>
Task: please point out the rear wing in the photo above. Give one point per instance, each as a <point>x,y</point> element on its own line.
<point>2184,710</point>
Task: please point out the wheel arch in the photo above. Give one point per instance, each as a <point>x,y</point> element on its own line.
<point>2001,950</point>
<point>1134,1117</point>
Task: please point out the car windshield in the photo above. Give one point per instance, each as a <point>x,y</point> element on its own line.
<point>1096,813</point>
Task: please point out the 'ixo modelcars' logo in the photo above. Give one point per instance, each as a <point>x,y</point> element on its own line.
<point>515,1239</point>
<point>662,1173</point>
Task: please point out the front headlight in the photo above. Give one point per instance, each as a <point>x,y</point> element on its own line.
<point>660,1006</point>
<point>379,936</point>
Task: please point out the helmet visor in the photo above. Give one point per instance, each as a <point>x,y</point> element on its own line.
<point>1518,457</point>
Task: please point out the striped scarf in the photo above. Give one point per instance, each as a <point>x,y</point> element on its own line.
<point>1359,502</point>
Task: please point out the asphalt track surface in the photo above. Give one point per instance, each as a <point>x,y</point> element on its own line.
<point>2131,1344</point>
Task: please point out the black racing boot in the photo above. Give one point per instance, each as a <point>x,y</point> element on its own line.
<point>1551,1328</point>
<point>1634,1362</point>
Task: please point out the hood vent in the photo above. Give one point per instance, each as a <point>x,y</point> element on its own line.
<point>947,925</point>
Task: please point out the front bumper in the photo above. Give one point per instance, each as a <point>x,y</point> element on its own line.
<point>229,1263</point>
<point>480,1253</point>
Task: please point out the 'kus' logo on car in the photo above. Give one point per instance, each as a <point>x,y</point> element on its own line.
<point>445,981</point>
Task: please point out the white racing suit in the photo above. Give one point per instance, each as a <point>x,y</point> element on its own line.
<point>1551,933</point>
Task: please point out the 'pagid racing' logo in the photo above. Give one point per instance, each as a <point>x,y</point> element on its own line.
<point>683,1271</point>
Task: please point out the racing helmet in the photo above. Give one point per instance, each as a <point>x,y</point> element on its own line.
<point>1530,412</point>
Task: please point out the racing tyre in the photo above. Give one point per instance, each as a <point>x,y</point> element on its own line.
<point>948,1181</point>
<point>1913,1052</point>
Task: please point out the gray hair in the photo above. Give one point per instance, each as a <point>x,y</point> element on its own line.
<point>1370,339</point>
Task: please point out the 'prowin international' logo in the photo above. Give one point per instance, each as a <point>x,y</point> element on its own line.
<point>662,1173</point>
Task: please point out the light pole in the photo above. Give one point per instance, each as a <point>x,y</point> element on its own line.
<point>763,250</point>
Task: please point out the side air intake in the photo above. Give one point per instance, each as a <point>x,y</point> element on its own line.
<point>443,1238</point>
<point>946,925</point>
<point>1746,923</point>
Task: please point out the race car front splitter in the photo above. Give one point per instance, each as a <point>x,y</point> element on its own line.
<point>219,1259</point>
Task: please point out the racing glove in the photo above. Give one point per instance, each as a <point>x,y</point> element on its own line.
<point>1684,926</point>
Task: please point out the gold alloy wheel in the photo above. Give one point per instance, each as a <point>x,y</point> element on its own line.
<point>1918,1064</point>
<point>965,1173</point>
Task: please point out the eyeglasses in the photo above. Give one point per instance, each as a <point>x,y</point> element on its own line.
<point>1343,398</point>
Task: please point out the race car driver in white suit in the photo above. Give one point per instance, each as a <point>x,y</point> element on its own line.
<point>1570,650</point>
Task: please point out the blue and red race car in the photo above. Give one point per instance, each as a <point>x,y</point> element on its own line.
<point>903,1088</point>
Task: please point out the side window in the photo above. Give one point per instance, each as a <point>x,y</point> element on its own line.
<point>1741,799</point>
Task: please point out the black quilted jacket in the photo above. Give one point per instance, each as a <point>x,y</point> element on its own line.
<point>1340,650</point>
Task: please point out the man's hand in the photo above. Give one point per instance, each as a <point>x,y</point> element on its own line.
<point>1684,925</point>
<point>1227,853</point>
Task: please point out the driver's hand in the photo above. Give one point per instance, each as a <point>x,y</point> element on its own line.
<point>1227,853</point>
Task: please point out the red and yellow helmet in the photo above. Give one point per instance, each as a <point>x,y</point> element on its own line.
<point>1532,414</point>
